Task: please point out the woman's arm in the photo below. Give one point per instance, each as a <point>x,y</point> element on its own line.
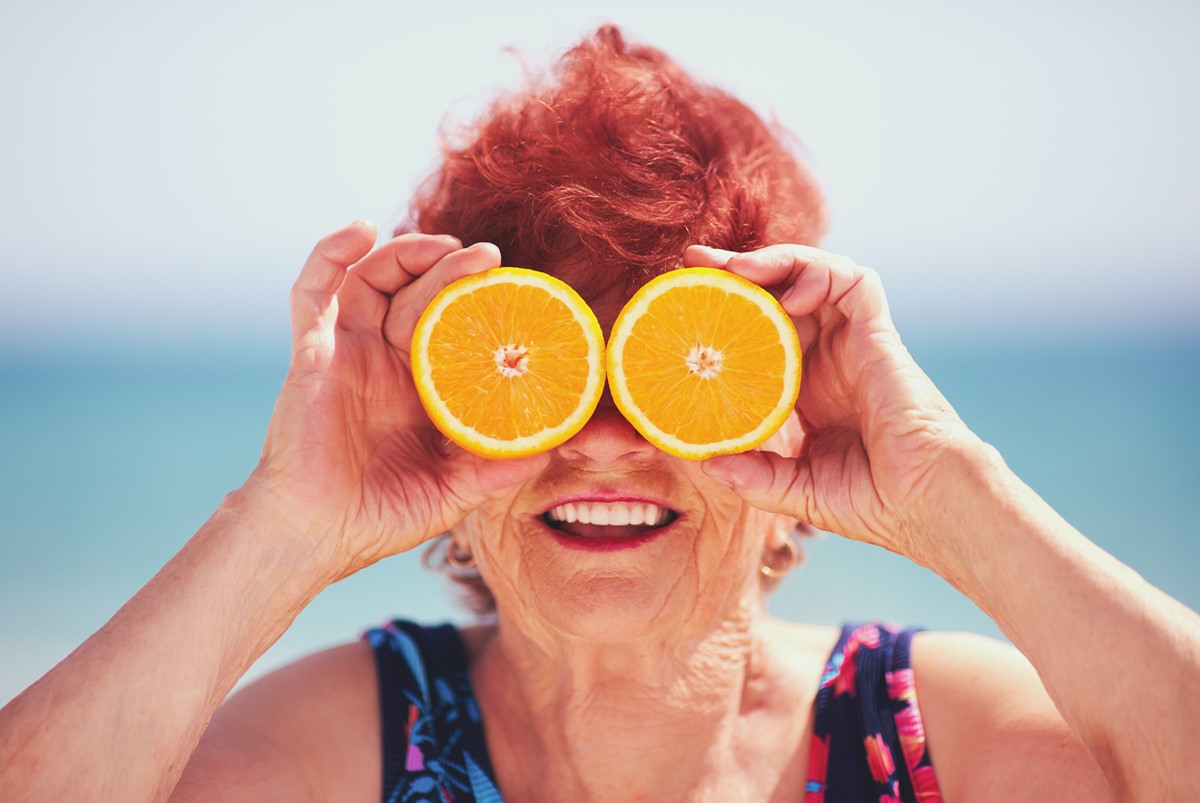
<point>352,471</point>
<point>886,460</point>
<point>991,729</point>
<point>119,717</point>
<point>1119,658</point>
<point>306,731</point>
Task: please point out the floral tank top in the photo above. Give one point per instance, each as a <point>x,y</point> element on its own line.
<point>868,742</point>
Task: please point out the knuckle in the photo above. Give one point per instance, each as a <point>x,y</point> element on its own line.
<point>870,278</point>
<point>296,294</point>
<point>306,304</point>
<point>418,240</point>
<point>844,263</point>
<point>300,293</point>
<point>325,246</point>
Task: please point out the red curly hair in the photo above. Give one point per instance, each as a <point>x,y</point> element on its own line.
<point>616,162</point>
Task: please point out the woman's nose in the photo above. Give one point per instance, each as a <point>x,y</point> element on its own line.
<point>608,439</point>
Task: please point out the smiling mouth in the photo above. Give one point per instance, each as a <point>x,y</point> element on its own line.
<point>608,519</point>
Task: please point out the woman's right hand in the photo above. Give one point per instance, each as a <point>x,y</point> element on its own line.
<point>877,432</point>
<point>351,461</point>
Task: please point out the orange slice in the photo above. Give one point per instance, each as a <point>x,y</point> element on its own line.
<point>509,362</point>
<point>703,362</point>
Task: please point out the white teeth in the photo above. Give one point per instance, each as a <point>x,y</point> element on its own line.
<point>610,513</point>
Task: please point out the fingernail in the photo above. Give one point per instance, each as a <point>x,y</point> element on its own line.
<point>716,468</point>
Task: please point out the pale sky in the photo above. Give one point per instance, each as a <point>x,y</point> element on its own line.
<point>1008,168</point>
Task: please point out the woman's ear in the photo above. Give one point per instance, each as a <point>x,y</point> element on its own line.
<point>783,551</point>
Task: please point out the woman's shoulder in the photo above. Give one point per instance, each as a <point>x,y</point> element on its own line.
<point>990,725</point>
<point>334,687</point>
<point>966,705</point>
<point>319,713</point>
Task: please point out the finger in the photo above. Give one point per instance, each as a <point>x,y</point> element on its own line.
<point>400,260</point>
<point>807,278</point>
<point>407,307</point>
<point>766,480</point>
<point>360,307</point>
<point>366,293</point>
<point>313,296</point>
<point>494,477</point>
<point>703,256</point>
<point>474,480</point>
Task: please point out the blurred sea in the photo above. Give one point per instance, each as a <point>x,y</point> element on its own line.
<point>112,457</point>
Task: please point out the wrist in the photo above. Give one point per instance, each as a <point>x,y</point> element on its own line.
<point>278,537</point>
<point>971,490</point>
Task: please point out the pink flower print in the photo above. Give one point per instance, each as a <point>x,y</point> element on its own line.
<point>879,758</point>
<point>414,760</point>
<point>867,635</point>
<point>925,785</point>
<point>912,734</point>
<point>848,672</point>
<point>901,685</point>
<point>818,758</point>
<point>818,765</point>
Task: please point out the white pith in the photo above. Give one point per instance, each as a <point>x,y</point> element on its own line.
<point>704,361</point>
<point>610,513</point>
<point>511,360</point>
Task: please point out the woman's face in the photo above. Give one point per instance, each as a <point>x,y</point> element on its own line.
<point>655,546</point>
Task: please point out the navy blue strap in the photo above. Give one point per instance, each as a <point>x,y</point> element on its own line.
<point>430,724</point>
<point>867,690</point>
<point>394,676</point>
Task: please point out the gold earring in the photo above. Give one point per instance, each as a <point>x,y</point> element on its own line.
<point>458,558</point>
<point>788,556</point>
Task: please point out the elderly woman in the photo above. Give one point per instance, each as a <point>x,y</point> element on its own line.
<point>647,670</point>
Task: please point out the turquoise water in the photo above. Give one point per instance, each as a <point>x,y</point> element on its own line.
<point>113,457</point>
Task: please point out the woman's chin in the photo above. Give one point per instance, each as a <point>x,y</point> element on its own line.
<point>611,609</point>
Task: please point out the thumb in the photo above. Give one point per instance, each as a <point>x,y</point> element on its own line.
<point>475,479</point>
<point>497,476</point>
<point>767,480</point>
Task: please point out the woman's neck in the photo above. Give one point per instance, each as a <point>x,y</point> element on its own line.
<point>570,719</point>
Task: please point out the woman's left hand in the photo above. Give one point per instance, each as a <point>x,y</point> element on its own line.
<point>352,464</point>
<point>875,427</point>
